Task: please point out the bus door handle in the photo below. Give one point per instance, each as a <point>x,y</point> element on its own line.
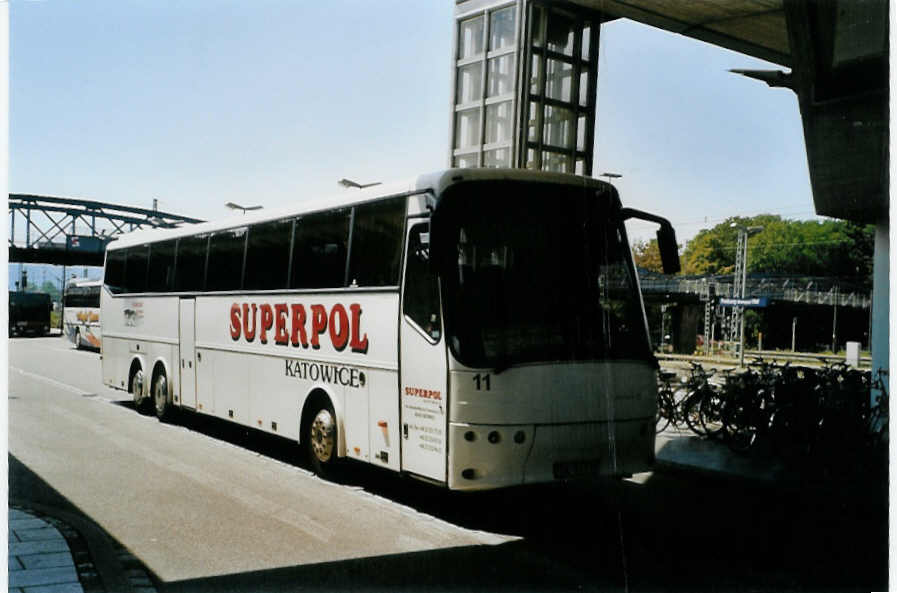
<point>405,430</point>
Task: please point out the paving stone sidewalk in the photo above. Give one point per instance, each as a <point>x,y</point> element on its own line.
<point>46,555</point>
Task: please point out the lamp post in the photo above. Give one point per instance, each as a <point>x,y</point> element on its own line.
<point>610,177</point>
<point>740,281</point>
<point>349,183</point>
<point>233,206</point>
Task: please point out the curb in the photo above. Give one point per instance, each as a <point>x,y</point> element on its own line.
<point>101,564</point>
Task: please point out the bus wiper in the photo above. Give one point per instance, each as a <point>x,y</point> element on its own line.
<point>503,364</point>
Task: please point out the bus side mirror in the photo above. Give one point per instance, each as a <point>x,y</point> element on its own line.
<point>666,238</point>
<point>669,250</point>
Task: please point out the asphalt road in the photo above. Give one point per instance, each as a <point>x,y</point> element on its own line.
<point>206,506</point>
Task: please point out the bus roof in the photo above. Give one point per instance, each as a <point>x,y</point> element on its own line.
<point>21,297</point>
<point>435,183</point>
<point>83,282</point>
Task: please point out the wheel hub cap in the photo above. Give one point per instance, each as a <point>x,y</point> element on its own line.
<point>322,433</point>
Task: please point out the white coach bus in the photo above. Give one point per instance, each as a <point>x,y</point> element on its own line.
<point>475,328</point>
<point>81,312</point>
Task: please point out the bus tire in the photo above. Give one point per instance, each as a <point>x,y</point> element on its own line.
<point>161,397</point>
<point>140,401</point>
<point>321,438</point>
<point>77,339</point>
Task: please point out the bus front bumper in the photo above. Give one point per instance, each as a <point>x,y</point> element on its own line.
<point>495,456</point>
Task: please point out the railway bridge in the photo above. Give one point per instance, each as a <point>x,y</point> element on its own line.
<point>73,231</point>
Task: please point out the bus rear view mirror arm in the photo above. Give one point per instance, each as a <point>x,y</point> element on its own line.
<point>666,238</point>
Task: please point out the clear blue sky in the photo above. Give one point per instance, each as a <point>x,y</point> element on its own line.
<point>268,102</point>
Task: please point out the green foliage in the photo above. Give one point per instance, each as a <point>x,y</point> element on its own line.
<point>800,247</point>
<point>51,289</point>
<point>647,255</point>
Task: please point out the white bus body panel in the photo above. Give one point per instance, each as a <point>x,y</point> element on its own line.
<point>137,327</point>
<point>546,429</point>
<point>264,384</point>
<point>86,320</point>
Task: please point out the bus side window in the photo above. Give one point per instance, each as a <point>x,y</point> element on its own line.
<point>135,268</point>
<point>320,247</point>
<point>161,266</point>
<point>114,276</point>
<point>93,296</point>
<point>224,270</point>
<point>377,243</point>
<point>268,255</point>
<point>421,305</point>
<point>190,265</point>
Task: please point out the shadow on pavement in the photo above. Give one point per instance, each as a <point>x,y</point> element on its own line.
<point>507,567</point>
<point>666,531</point>
<point>113,565</point>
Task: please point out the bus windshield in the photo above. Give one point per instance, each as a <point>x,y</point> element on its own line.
<point>532,274</point>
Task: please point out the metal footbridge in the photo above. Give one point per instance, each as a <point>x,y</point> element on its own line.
<point>72,231</point>
<point>811,290</point>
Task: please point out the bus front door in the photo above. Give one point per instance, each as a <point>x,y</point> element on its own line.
<point>423,365</point>
<point>187,358</point>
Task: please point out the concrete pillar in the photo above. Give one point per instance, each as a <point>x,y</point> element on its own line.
<point>880,338</point>
<point>685,328</point>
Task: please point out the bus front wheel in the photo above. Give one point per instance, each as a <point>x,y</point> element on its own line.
<point>321,438</point>
<point>160,397</point>
<point>77,339</point>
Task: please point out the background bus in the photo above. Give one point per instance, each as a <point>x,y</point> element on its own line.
<point>29,313</point>
<point>81,313</point>
<point>474,328</point>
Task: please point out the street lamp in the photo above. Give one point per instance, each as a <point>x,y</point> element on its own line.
<point>233,206</point>
<point>740,281</point>
<point>349,183</point>
<point>610,177</point>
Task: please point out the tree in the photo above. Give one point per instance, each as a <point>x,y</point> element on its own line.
<point>795,247</point>
<point>647,255</point>
<point>50,289</point>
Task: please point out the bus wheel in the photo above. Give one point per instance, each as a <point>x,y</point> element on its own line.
<point>321,440</point>
<point>140,402</point>
<point>77,339</point>
<point>160,398</point>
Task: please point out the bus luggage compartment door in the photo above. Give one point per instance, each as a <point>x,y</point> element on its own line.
<point>187,353</point>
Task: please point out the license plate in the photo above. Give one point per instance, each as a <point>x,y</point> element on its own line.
<point>576,469</point>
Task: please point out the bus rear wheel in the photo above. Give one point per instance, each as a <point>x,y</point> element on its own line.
<point>160,398</point>
<point>77,339</point>
<point>321,438</point>
<point>140,401</point>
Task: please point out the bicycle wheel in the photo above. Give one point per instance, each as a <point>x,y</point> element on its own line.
<point>739,429</point>
<point>692,413</point>
<point>711,413</point>
<point>791,436</point>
